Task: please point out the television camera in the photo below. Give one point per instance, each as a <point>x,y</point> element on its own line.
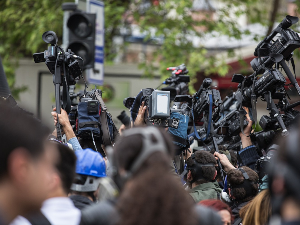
<point>65,69</point>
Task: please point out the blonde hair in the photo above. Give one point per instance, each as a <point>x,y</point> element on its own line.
<point>258,211</point>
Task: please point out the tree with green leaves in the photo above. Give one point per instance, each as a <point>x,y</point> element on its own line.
<point>22,25</point>
<point>176,22</point>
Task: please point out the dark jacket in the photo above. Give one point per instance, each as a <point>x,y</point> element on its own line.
<point>209,190</point>
<point>236,209</point>
<point>80,201</point>
<point>207,216</point>
<point>106,213</point>
<point>1,219</point>
<point>100,213</point>
<point>249,156</point>
<point>296,222</point>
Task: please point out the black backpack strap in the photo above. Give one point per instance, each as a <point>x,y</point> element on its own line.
<point>38,219</point>
<point>103,121</point>
<point>93,124</point>
<point>238,221</point>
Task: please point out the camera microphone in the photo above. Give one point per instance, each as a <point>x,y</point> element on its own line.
<point>77,57</point>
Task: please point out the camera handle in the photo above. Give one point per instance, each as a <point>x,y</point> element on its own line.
<point>275,113</point>
<point>57,83</point>
<point>290,75</point>
<point>218,161</point>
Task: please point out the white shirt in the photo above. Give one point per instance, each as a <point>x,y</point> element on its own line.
<point>59,211</point>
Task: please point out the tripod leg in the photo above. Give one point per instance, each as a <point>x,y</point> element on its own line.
<point>275,113</point>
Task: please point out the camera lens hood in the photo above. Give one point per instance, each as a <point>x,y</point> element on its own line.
<point>50,37</point>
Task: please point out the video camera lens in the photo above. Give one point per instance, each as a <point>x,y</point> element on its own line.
<point>264,139</point>
<point>127,102</point>
<point>124,118</point>
<point>288,21</point>
<point>207,82</point>
<point>50,37</point>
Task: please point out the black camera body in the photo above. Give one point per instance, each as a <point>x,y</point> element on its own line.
<point>263,139</point>
<point>158,107</point>
<point>65,69</point>
<point>228,116</point>
<point>178,82</point>
<point>285,44</point>
<point>271,81</point>
<point>147,92</point>
<point>55,56</point>
<point>203,98</point>
<point>230,124</point>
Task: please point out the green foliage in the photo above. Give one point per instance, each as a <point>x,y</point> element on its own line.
<point>173,20</point>
<point>22,24</point>
<point>24,21</point>
<point>114,12</point>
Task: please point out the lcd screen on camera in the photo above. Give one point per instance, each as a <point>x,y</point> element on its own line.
<point>162,103</point>
<point>159,104</point>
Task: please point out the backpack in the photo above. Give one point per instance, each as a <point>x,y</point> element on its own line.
<point>94,121</point>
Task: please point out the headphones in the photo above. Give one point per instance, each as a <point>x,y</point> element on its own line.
<point>196,169</point>
<point>149,147</point>
<point>246,184</point>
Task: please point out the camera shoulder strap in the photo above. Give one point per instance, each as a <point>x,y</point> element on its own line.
<point>293,65</point>
<point>38,219</point>
<point>66,96</point>
<point>103,121</point>
<point>238,221</point>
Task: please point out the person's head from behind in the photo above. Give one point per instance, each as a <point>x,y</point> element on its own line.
<point>233,156</point>
<point>258,211</point>
<point>150,192</point>
<point>90,167</point>
<point>284,177</point>
<point>223,209</point>
<point>26,161</point>
<point>201,168</point>
<point>65,170</point>
<point>243,184</point>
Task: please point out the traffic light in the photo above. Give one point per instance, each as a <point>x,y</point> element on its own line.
<point>81,41</point>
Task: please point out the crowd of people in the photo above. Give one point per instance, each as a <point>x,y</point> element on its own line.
<point>135,182</point>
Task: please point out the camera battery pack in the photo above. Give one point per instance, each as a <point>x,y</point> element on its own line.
<point>92,107</point>
<point>159,104</point>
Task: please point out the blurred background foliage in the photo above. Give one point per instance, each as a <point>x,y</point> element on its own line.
<point>24,21</point>
<point>22,24</point>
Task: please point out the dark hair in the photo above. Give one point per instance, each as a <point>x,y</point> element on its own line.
<point>284,166</point>
<point>18,129</point>
<point>154,195</point>
<point>217,205</point>
<point>81,179</point>
<point>66,166</point>
<point>233,157</point>
<point>204,157</point>
<point>235,177</point>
